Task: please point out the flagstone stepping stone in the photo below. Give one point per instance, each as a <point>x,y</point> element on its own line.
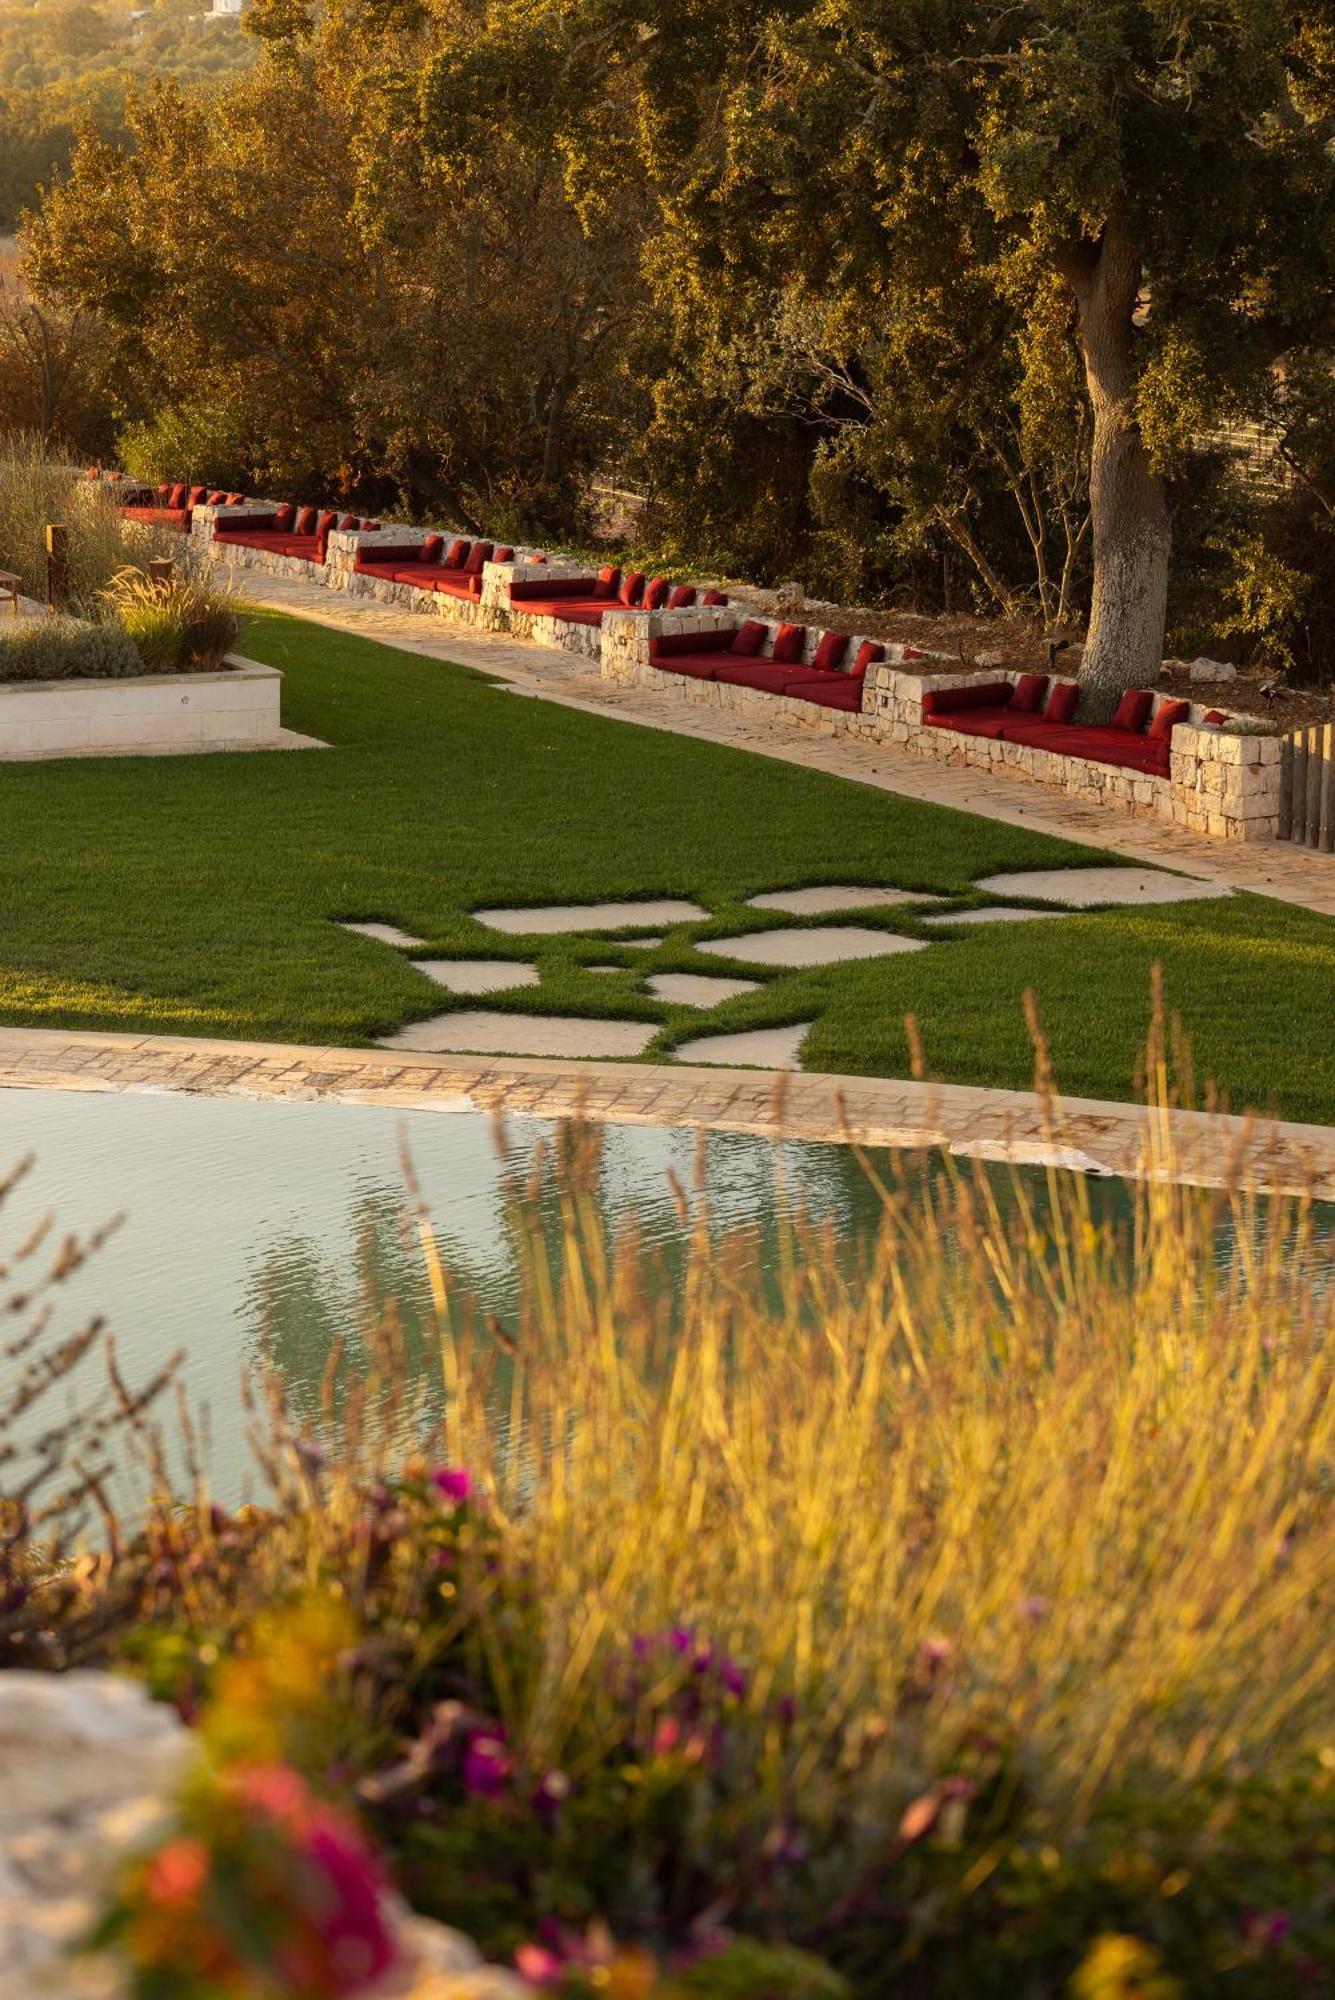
<point>828,896</point>
<point>483,1032</point>
<point>996,913</point>
<point>642,944</point>
<point>698,989</point>
<point>386,934</point>
<point>554,917</point>
<point>828,946</point>
<point>477,975</point>
<point>755,1048</point>
<point>1085,888</point>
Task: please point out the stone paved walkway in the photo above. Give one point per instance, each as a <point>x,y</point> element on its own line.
<point>1292,874</point>
<point>987,1124</point>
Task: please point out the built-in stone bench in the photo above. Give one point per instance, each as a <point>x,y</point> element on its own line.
<point>1223,781</point>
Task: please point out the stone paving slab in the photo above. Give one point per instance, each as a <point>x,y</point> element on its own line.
<point>1208,1150</point>
<point>1291,874</point>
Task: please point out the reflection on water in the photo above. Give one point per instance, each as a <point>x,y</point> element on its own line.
<point>276,1232</point>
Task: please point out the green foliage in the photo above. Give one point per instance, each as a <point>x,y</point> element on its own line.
<point>62,649</point>
<point>214,444</point>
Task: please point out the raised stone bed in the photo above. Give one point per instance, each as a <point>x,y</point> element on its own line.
<point>236,708</point>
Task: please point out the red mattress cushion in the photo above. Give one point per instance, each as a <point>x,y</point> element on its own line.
<point>696,666</point>
<point>670,645</point>
<point>835,690</point>
<point>770,676</point>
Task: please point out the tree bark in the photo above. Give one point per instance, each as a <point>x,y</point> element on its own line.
<point>1132,535</point>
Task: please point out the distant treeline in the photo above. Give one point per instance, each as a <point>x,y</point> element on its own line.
<point>72,63</point>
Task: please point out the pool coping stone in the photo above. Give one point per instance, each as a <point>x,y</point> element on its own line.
<point>1207,1149</point>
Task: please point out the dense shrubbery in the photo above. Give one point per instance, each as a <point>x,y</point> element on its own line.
<point>967,1626</point>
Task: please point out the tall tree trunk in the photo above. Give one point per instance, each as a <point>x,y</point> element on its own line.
<point>1132,537</point>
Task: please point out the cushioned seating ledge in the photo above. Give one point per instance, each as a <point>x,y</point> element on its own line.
<point>983,710</point>
<point>176,518</point>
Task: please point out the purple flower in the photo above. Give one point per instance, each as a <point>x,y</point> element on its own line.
<point>1266,1928</point>
<point>732,1677</point>
<point>453,1483</point>
<point>487,1766</point>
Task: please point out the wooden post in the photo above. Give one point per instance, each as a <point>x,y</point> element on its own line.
<point>1328,790</point>
<point>57,565</point>
<point>161,571</point>
<point>1315,745</point>
<point>1286,755</point>
<point>1299,831</point>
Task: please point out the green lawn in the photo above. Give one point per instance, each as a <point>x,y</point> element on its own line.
<point>198,895</point>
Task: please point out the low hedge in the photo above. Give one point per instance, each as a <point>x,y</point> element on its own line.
<point>66,649</point>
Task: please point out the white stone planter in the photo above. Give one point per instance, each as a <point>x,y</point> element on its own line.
<point>160,714</point>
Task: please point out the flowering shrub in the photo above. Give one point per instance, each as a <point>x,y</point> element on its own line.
<point>264,1891</point>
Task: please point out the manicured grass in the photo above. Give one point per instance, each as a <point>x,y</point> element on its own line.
<point>198,895</point>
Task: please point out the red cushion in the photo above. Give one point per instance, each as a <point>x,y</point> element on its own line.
<point>177,496</point>
<point>1166,718</point>
<point>770,676</point>
<point>165,495</point>
<point>349,524</point>
<point>217,499</point>
<point>1062,701</point>
<point>195,497</point>
<point>954,700</point>
<point>456,555</point>
<point>609,581</point>
<point>284,518</point>
<point>504,553</point>
<point>830,653</point>
<point>305,522</point>
<point>683,594</point>
<point>431,549</point>
<point>1027,694</point>
<point>714,597</point>
<point>234,500</point>
<point>835,691</point>
<point>481,553</point>
<point>370,527</point>
<point>326,524</point>
<point>632,590</point>
<point>749,639</point>
<point>1133,710</point>
<point>788,643</point>
<point>1098,745</point>
<point>868,653</point>
<point>972,721</point>
<point>656,593</point>
<point>1214,716</point>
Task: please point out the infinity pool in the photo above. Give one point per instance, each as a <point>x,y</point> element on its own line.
<point>263,1233</point>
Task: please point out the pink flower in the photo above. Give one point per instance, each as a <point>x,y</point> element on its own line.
<point>453,1483</point>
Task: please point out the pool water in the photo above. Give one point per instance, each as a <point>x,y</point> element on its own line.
<point>263,1234</point>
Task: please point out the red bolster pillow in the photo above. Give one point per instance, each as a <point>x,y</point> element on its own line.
<point>349,524</point>
<point>217,500</point>
<point>456,555</point>
<point>632,589</point>
<point>682,597</point>
<point>234,500</point>
<point>177,497</point>
<point>326,525</point>
<point>283,519</point>
<point>1062,701</point>
<point>431,549</point>
<point>196,498</point>
<point>867,655</point>
<point>504,553</point>
<point>949,700</point>
<point>609,582</point>
<point>715,597</point>
<point>305,522</point>
<point>671,644</point>
<point>656,593</point>
<point>1133,710</point>
<point>1214,717</point>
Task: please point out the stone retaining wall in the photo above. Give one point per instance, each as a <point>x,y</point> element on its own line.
<point>238,708</point>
